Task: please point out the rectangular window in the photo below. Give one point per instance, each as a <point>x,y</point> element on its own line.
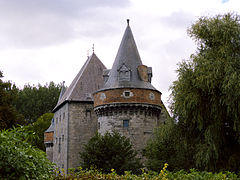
<point>62,137</point>
<point>88,113</point>
<point>127,93</point>
<point>64,115</point>
<point>59,145</point>
<point>125,123</point>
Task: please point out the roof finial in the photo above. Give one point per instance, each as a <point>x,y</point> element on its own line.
<point>88,53</point>
<point>93,48</point>
<point>128,21</point>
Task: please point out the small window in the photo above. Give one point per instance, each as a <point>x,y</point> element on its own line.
<point>64,115</point>
<point>62,137</point>
<point>56,120</point>
<point>59,146</point>
<point>127,93</point>
<point>125,123</point>
<point>98,125</point>
<point>88,113</point>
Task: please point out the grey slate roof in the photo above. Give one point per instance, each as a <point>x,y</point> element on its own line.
<point>127,58</point>
<point>88,80</point>
<point>51,127</point>
<point>63,89</point>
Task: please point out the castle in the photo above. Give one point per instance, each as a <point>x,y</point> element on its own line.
<point>101,100</point>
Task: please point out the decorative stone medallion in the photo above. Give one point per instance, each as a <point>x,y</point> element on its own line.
<point>151,96</point>
<point>102,96</point>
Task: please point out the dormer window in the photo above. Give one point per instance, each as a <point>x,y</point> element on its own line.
<point>124,73</point>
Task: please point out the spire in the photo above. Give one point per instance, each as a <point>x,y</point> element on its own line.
<point>93,48</point>
<point>124,72</point>
<point>128,22</point>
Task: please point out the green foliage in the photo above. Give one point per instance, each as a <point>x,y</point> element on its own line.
<point>167,146</point>
<point>33,101</point>
<point>20,160</point>
<point>111,151</point>
<point>8,114</point>
<point>148,175</point>
<point>39,127</point>
<point>206,96</point>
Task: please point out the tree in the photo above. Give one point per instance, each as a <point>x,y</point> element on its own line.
<point>206,95</point>
<point>110,151</point>
<point>33,101</point>
<point>39,127</point>
<point>9,116</point>
<point>20,160</point>
<point>167,146</point>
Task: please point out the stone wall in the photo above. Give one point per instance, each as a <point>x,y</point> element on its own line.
<point>48,141</point>
<point>60,145</point>
<point>49,152</point>
<point>135,122</point>
<point>82,126</point>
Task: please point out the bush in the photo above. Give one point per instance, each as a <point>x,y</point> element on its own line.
<point>111,151</point>
<point>20,160</point>
<point>164,174</point>
<point>39,127</point>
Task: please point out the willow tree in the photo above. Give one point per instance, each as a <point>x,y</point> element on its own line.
<point>206,95</point>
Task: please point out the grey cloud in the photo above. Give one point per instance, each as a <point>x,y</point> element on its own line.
<point>182,48</point>
<point>36,23</point>
<point>178,19</point>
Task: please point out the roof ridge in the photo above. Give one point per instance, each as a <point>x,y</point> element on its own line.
<point>79,76</point>
<point>87,80</point>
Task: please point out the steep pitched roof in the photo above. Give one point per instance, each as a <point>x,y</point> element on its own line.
<point>63,89</point>
<point>88,80</point>
<point>127,58</point>
<point>51,127</point>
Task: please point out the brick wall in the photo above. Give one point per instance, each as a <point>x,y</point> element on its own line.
<point>117,96</point>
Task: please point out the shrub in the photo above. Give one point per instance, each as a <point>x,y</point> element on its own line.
<point>20,160</point>
<point>111,151</point>
<point>39,127</point>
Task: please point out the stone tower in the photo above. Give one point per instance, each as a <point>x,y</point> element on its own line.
<point>128,102</point>
<point>74,121</point>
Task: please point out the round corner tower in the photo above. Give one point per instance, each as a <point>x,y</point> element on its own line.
<point>128,102</point>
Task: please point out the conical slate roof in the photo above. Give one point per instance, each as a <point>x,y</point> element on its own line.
<point>127,59</point>
<point>88,80</point>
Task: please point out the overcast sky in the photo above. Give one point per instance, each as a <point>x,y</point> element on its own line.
<point>49,40</point>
